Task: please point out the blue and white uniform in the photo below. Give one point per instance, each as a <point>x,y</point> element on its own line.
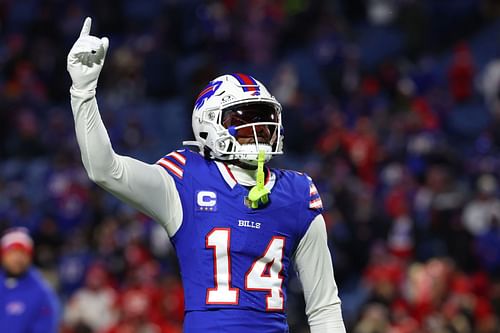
<point>234,260</point>
<point>233,257</point>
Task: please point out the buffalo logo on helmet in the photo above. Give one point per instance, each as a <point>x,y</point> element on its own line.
<point>206,93</point>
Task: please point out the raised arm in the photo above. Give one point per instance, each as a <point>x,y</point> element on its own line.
<point>314,267</point>
<point>144,186</point>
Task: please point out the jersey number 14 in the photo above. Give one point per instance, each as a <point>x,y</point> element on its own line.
<point>263,275</point>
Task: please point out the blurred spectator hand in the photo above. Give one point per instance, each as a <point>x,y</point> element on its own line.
<point>86,58</point>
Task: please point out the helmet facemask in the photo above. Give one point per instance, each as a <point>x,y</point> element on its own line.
<point>252,127</point>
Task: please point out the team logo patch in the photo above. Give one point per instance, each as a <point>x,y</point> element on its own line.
<point>206,201</point>
<point>15,308</point>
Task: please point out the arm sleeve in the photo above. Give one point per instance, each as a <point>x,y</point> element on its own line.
<point>314,267</point>
<point>145,186</point>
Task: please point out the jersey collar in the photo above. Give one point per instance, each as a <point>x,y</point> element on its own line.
<point>226,174</point>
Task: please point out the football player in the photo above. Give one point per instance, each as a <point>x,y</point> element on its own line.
<point>237,226</point>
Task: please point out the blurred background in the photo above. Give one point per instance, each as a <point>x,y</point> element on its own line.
<point>392,106</point>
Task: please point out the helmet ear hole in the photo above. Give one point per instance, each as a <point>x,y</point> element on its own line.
<point>204,135</point>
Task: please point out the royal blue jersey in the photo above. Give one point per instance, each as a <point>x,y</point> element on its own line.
<point>27,304</point>
<point>235,260</point>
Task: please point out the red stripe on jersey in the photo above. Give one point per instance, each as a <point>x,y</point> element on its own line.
<point>178,157</point>
<point>313,190</point>
<point>171,167</point>
<point>230,173</point>
<point>316,203</point>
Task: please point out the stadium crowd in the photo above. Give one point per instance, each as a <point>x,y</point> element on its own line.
<point>392,106</point>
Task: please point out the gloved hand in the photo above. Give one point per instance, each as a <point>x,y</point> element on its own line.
<point>85,59</point>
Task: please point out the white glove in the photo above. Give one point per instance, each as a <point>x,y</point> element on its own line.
<point>85,60</point>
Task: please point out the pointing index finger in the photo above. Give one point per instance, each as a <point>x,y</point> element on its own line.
<point>86,27</point>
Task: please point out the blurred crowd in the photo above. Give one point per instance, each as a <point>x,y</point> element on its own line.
<point>391,106</point>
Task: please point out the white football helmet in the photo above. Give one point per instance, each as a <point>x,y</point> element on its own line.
<point>234,118</point>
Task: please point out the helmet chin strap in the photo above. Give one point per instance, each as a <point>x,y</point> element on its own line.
<point>259,194</point>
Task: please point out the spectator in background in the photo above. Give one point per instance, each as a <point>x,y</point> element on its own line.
<point>92,308</point>
<point>479,212</point>
<point>362,147</point>
<point>461,73</point>
<point>135,309</point>
<point>490,85</point>
<point>487,249</point>
<point>27,303</point>
<point>374,319</point>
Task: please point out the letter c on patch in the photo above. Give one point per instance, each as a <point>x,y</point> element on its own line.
<point>206,199</point>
